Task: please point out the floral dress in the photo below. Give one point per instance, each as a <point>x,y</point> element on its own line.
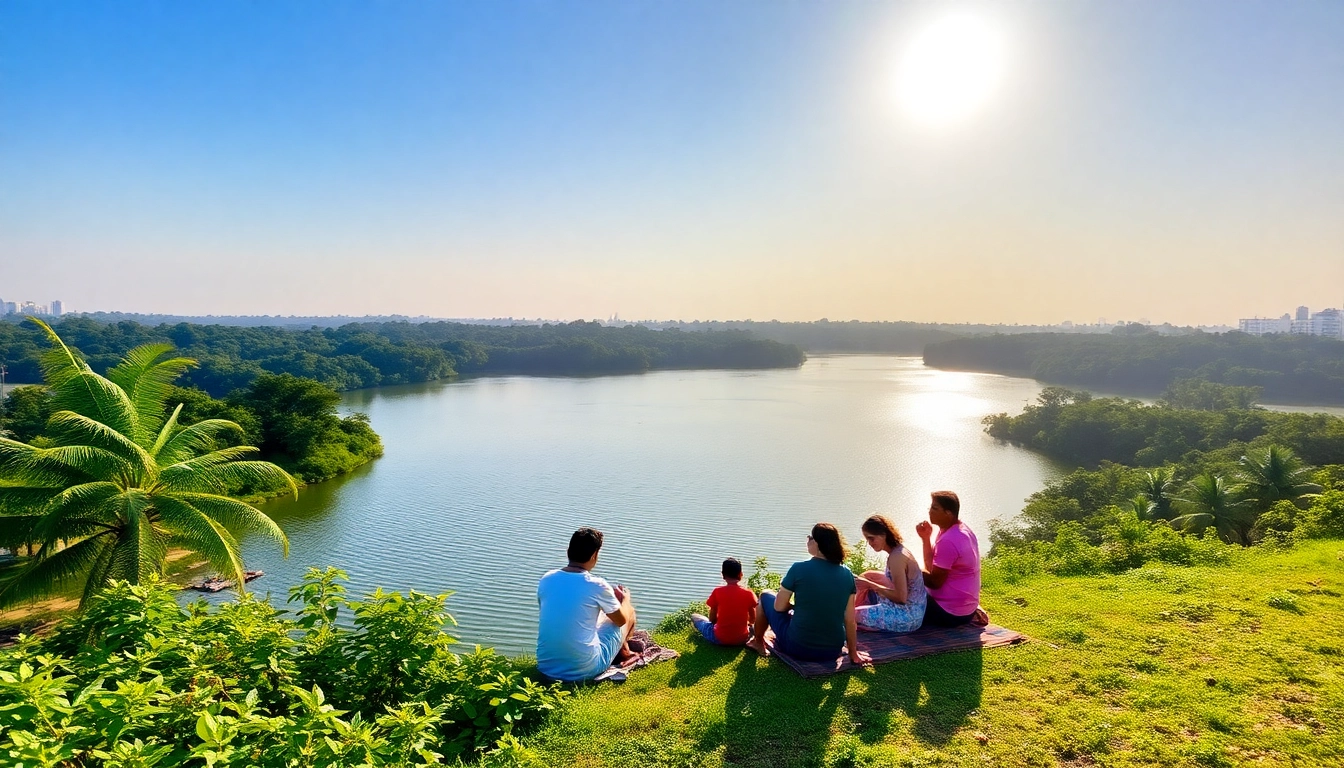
<point>883,615</point>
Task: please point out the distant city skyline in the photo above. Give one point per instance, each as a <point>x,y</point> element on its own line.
<point>961,161</point>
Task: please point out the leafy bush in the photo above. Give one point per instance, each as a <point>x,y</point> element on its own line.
<point>762,577</point>
<point>1324,519</point>
<point>680,619</point>
<point>137,680</point>
<point>1126,544</point>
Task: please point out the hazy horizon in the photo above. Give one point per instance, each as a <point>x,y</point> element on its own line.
<point>1177,161</point>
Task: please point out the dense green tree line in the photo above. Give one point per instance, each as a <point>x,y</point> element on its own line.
<point>1286,368</point>
<point>1082,430</point>
<point>894,338</point>
<point>292,420</point>
<point>371,354</point>
<point>1242,475</point>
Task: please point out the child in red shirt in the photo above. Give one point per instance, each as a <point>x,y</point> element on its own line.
<point>731,609</point>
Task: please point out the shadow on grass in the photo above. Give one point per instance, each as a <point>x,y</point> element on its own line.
<point>772,717</point>
<point>938,693</point>
<point>701,661</point>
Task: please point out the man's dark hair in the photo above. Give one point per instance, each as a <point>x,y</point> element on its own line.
<point>948,500</point>
<point>829,542</point>
<point>584,544</point>
<point>732,569</point>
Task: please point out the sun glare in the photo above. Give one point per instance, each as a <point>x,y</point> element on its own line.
<point>950,70</point>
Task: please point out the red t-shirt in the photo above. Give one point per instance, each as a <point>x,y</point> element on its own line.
<point>736,607</point>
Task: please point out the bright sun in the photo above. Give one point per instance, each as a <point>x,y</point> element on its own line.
<point>950,70</point>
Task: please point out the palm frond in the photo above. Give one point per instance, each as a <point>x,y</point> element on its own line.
<point>59,364</point>
<point>68,428</point>
<point>188,527</point>
<point>166,431</point>
<point>83,463</point>
<point>50,570</point>
<point>236,516</point>
<point>196,439</point>
<point>28,465</point>
<point>87,502</point>
<point>140,549</point>
<point>97,577</point>
<point>148,379</point>
<point>261,475</point>
<point>1192,522</point>
<point>24,500</point>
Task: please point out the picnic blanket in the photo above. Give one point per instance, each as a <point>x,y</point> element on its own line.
<point>886,646</point>
<point>647,652</point>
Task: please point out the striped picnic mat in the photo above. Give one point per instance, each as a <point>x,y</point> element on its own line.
<point>885,646</point>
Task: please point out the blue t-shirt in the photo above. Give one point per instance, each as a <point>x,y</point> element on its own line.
<point>572,605</point>
<point>821,590</point>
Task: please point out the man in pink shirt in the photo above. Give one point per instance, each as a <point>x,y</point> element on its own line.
<point>951,565</point>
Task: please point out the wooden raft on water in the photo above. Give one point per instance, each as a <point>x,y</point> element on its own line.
<point>217,583</point>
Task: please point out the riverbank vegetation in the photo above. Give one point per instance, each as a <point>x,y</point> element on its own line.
<point>362,355</point>
<point>1287,369</point>
<point>1241,476</point>
<point>137,679</point>
<point>116,480</point>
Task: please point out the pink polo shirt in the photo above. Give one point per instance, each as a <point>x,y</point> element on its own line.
<point>957,550</point>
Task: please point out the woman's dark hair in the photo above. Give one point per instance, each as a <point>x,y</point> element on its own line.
<point>732,569</point>
<point>880,525</point>
<point>948,500</point>
<point>584,544</point>
<point>829,542</point>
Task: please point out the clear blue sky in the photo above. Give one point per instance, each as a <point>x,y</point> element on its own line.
<point>1171,160</point>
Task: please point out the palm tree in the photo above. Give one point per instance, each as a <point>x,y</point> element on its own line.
<point>1139,505</point>
<point>1275,474</point>
<point>1159,485</point>
<point>117,481</point>
<point>1210,500</point>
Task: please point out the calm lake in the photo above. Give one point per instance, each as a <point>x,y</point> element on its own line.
<point>484,479</point>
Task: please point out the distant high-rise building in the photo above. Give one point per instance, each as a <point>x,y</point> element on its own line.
<point>2,308</point>
<point>8,308</point>
<point>1328,323</point>
<point>1303,314</point>
<point>57,308</point>
<point>28,308</point>
<point>1259,326</point>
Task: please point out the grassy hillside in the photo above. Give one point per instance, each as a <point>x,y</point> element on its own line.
<point>1240,664</point>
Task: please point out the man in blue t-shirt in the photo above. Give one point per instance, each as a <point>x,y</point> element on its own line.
<point>584,623</point>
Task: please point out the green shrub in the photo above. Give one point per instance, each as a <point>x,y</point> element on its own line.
<point>1324,519</point>
<point>680,619</point>
<point>762,577</point>
<point>137,680</point>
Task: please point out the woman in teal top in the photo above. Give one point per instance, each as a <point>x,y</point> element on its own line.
<point>812,615</point>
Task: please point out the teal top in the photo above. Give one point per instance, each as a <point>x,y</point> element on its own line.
<point>821,590</point>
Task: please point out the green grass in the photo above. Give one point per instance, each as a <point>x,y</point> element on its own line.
<point>1241,664</point>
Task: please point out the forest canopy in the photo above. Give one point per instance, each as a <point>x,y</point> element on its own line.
<point>1303,369</point>
<point>361,355</point>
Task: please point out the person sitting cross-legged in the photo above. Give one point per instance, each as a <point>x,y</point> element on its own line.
<point>892,600</point>
<point>951,565</point>
<point>812,615</point>
<point>584,623</point>
<point>732,608</point>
